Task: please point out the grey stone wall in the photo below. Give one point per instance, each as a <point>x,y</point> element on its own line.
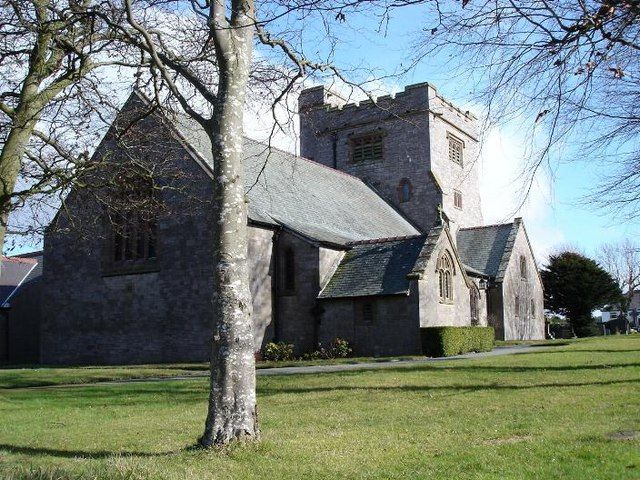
<point>329,261</point>
<point>296,312</point>
<point>23,328</point>
<point>433,312</point>
<point>395,329</point>
<point>522,325</point>
<point>446,119</point>
<point>325,129</point>
<point>415,124</point>
<point>4,336</point>
<point>495,310</point>
<point>162,316</point>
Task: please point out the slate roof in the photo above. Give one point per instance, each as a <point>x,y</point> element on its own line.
<point>375,268</point>
<point>37,270</point>
<point>487,249</point>
<point>13,273</point>
<point>311,199</point>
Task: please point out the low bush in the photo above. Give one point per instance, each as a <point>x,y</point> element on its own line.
<point>278,352</point>
<point>338,348</point>
<point>448,341</point>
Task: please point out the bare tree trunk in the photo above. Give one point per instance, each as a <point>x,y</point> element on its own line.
<point>47,75</point>
<point>232,413</point>
<point>13,150</point>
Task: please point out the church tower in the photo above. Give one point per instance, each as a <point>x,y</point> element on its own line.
<point>417,150</point>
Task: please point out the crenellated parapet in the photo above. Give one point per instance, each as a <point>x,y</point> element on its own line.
<point>398,144</point>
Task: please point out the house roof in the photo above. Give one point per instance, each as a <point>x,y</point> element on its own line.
<point>487,249</point>
<point>375,268</point>
<point>304,196</point>
<point>37,270</point>
<point>14,271</point>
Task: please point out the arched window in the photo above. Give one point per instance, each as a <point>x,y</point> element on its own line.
<point>517,305</point>
<point>533,308</point>
<point>474,299</point>
<point>405,190</point>
<point>523,267</point>
<point>445,271</point>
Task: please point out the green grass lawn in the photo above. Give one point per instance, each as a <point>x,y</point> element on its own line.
<point>38,376</point>
<point>567,411</point>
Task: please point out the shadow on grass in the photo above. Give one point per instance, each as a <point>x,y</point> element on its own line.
<point>524,369</point>
<point>559,344</point>
<point>266,392</point>
<point>578,350</point>
<point>53,452</point>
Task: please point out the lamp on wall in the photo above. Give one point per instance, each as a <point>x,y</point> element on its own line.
<point>483,284</point>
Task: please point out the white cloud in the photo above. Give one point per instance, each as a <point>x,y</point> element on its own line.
<point>503,188</point>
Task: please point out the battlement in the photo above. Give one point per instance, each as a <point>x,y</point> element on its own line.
<point>413,96</point>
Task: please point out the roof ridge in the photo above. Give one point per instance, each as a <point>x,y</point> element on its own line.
<point>16,259</point>
<point>259,142</point>
<point>488,226</point>
<point>384,240</point>
<point>34,253</point>
<point>174,117</point>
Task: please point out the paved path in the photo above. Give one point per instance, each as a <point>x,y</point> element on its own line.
<point>346,367</point>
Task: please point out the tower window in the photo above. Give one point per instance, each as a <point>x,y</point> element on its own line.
<point>367,148</point>
<point>517,305</point>
<point>533,308</point>
<point>455,149</point>
<point>405,190</point>
<point>457,199</point>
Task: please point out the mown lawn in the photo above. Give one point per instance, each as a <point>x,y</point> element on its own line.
<point>40,376</point>
<point>570,411</point>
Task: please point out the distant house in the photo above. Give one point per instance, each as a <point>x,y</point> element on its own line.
<point>20,307</point>
<point>611,315</point>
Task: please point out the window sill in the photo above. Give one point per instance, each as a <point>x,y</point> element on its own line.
<point>132,267</point>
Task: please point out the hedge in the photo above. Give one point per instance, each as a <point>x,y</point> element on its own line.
<point>448,341</point>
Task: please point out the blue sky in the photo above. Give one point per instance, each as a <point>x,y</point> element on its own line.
<point>555,214</point>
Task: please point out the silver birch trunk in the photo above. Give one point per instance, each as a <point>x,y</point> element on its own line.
<point>232,412</point>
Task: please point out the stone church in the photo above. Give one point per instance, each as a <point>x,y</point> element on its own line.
<point>372,233</point>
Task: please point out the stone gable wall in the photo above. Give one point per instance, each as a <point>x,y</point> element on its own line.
<point>164,316</point>
<point>434,313</point>
<point>523,326</point>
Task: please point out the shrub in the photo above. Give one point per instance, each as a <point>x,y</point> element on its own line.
<point>338,348</point>
<point>448,341</point>
<point>278,352</point>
